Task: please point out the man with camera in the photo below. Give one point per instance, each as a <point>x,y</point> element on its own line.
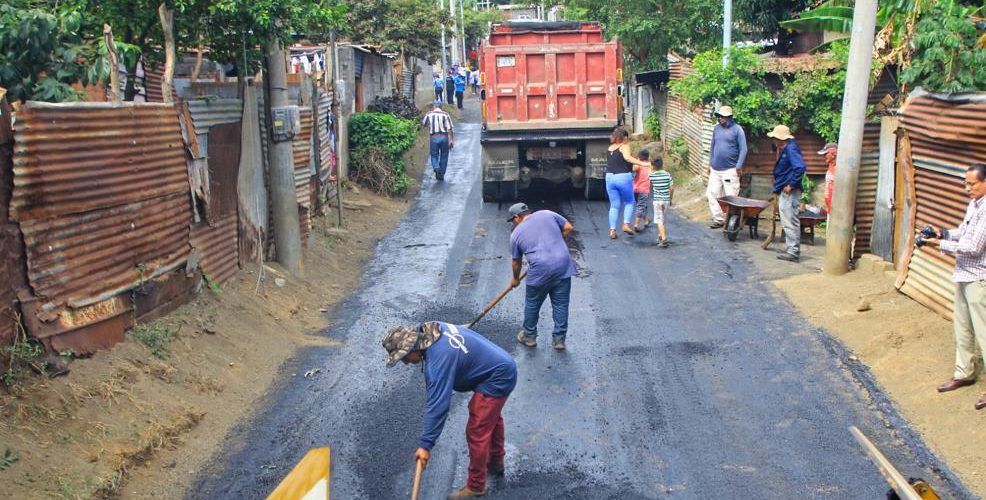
<point>968,245</point>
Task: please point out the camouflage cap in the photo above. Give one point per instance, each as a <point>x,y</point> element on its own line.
<point>401,340</point>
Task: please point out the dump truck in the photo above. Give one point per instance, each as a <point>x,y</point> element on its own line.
<point>551,96</point>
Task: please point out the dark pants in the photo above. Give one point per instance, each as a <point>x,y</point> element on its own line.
<point>438,93</point>
<point>484,436</point>
<point>449,94</point>
<point>439,154</point>
<point>458,98</point>
<point>560,292</point>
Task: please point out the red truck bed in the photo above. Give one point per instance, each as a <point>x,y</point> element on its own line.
<point>550,76</point>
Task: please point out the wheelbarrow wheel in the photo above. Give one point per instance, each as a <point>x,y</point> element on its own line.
<point>733,227</point>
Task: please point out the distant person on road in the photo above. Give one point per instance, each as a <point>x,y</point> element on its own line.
<point>788,171</point>
<point>968,245</point>
<point>620,167</point>
<point>642,193</point>
<point>458,359</point>
<point>474,80</point>
<point>726,159</point>
<point>539,238</point>
<point>460,89</point>
<point>440,127</point>
<point>439,85</point>
<point>662,188</point>
<point>830,151</point>
<point>450,87</point>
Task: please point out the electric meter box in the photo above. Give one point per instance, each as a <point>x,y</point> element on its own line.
<point>286,123</point>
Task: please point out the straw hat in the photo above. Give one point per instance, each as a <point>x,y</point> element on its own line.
<point>780,132</point>
<point>725,111</point>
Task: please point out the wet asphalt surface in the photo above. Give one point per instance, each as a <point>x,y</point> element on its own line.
<point>687,374</point>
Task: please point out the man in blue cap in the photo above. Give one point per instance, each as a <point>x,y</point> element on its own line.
<point>440,127</point>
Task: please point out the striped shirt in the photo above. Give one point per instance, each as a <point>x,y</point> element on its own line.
<point>660,183</point>
<point>438,122</point>
<point>968,244</point>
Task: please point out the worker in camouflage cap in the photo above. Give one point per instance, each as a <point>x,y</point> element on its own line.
<point>458,359</point>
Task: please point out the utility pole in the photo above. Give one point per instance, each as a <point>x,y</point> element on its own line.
<point>335,122</point>
<point>839,232</point>
<point>287,233</point>
<point>455,32</point>
<point>727,30</point>
<point>441,7</point>
<point>462,29</point>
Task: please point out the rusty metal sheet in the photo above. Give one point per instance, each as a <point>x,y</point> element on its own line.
<point>208,112</point>
<point>224,169</point>
<point>12,274</point>
<point>946,135</point>
<point>695,127</point>
<point>77,256</point>
<point>869,171</point>
<point>301,148</point>
<point>219,248</point>
<point>70,158</point>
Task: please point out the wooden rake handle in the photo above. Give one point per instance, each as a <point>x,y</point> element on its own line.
<point>495,301</point>
<point>416,487</point>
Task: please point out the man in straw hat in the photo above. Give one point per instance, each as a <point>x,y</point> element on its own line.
<point>456,358</point>
<point>788,171</point>
<point>725,161</point>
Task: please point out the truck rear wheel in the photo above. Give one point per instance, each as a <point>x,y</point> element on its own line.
<point>499,191</point>
<point>595,189</point>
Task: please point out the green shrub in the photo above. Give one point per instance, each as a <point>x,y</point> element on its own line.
<point>652,123</point>
<point>377,143</point>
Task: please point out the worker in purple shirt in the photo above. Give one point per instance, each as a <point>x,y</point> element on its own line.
<point>788,171</point>
<point>968,244</point>
<point>457,359</point>
<point>539,238</point>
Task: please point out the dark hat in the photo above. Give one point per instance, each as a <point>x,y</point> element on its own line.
<point>401,340</point>
<point>517,209</point>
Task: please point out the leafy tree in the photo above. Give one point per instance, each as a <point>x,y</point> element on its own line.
<point>43,53</point>
<point>814,98</point>
<point>761,18</point>
<point>946,56</point>
<point>411,26</point>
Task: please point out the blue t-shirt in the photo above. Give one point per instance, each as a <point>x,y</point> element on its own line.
<point>462,361</point>
<point>539,240</point>
<point>460,83</point>
<point>438,83</point>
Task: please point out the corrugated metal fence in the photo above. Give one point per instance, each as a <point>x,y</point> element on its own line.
<point>945,134</point>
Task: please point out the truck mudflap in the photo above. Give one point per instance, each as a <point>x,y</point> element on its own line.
<point>500,162</point>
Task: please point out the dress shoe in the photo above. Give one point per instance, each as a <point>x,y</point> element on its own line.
<point>981,403</point>
<point>467,492</point>
<point>955,383</point>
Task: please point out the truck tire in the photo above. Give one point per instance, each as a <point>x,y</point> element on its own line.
<point>499,191</point>
<point>595,189</point>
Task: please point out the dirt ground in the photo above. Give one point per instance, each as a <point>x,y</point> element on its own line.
<point>907,347</point>
<point>133,423</point>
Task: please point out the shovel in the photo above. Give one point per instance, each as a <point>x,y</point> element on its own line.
<point>416,487</point>
<point>495,302</point>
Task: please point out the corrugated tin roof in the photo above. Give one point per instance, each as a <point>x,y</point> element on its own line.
<point>301,148</point>
<point>69,158</point>
<point>208,112</point>
<point>219,248</point>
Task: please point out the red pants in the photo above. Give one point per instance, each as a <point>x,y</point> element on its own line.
<point>484,435</point>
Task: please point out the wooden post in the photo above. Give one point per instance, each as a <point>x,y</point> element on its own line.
<point>168,27</point>
<point>114,63</point>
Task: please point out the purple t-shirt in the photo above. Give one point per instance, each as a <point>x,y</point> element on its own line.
<point>539,240</point>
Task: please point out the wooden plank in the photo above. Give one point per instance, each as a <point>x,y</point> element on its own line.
<point>882,235</point>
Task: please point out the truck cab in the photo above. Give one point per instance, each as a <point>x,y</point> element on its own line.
<point>551,97</point>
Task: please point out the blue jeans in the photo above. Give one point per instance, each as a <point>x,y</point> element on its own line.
<point>619,187</point>
<point>439,153</point>
<point>560,292</point>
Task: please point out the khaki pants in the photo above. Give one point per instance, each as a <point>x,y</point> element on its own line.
<point>969,326</point>
<point>721,183</point>
<point>787,207</point>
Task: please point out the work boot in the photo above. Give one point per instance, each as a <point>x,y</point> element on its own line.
<point>467,492</point>
<point>496,469</point>
<point>559,345</point>
<point>716,225</point>
<point>788,257</point>
<point>525,340</point>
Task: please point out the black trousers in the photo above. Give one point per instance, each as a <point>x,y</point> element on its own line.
<point>458,99</point>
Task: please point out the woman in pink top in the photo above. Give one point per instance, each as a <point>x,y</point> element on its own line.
<point>642,193</point>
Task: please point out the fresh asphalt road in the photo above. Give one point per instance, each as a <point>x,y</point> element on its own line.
<point>687,374</point>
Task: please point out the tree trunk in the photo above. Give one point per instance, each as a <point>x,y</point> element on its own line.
<point>114,63</point>
<point>199,52</point>
<point>168,27</point>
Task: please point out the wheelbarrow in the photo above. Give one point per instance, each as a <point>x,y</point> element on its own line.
<point>740,212</point>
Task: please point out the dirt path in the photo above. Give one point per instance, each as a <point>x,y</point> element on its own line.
<point>128,423</point>
<point>908,348</point>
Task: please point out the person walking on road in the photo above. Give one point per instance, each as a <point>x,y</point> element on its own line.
<point>968,245</point>
<point>440,127</point>
<point>788,171</point>
<point>539,238</point>
<point>460,89</point>
<point>726,159</point>
<point>642,193</point>
<point>439,85</point>
<point>450,87</point>
<point>662,185</point>
<point>620,168</point>
<point>458,359</point>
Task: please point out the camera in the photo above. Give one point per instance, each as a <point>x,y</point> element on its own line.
<point>926,233</point>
